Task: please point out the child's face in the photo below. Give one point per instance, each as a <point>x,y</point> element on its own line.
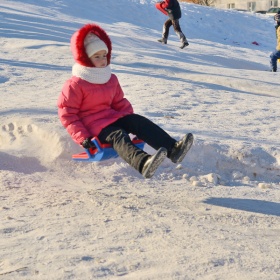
<point>99,59</point>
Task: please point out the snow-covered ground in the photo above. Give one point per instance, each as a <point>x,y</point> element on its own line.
<point>214,216</point>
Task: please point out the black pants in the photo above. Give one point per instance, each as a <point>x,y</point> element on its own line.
<point>177,29</point>
<point>117,134</point>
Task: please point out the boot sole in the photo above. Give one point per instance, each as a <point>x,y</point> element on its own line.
<point>185,148</point>
<point>156,161</point>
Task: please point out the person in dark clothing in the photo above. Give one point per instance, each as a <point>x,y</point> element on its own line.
<point>276,54</point>
<point>172,9</point>
<point>92,104</point>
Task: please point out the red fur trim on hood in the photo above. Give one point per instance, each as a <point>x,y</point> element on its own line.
<point>78,48</point>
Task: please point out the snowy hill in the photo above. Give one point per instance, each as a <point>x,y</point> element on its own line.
<point>217,212</point>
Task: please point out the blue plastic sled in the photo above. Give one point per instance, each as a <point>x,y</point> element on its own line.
<point>102,151</point>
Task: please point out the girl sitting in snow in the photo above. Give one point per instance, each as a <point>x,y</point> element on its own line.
<point>92,104</point>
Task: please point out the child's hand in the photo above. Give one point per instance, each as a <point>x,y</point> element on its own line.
<point>87,144</point>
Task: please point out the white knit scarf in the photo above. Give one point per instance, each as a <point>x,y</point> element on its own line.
<point>92,74</point>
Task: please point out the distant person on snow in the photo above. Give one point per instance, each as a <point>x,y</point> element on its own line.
<point>276,54</point>
<point>92,104</point>
<point>172,9</point>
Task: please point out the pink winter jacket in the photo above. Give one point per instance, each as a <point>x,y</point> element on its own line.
<point>85,108</point>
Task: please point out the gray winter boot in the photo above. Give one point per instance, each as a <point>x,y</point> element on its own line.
<point>184,44</point>
<point>183,39</point>
<point>153,162</point>
<point>163,40</point>
<point>181,148</point>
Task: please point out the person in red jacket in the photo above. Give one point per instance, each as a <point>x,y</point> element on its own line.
<point>92,104</point>
<point>172,9</point>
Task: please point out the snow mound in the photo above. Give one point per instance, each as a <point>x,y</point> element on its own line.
<point>23,142</point>
<point>209,163</point>
<point>27,147</point>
